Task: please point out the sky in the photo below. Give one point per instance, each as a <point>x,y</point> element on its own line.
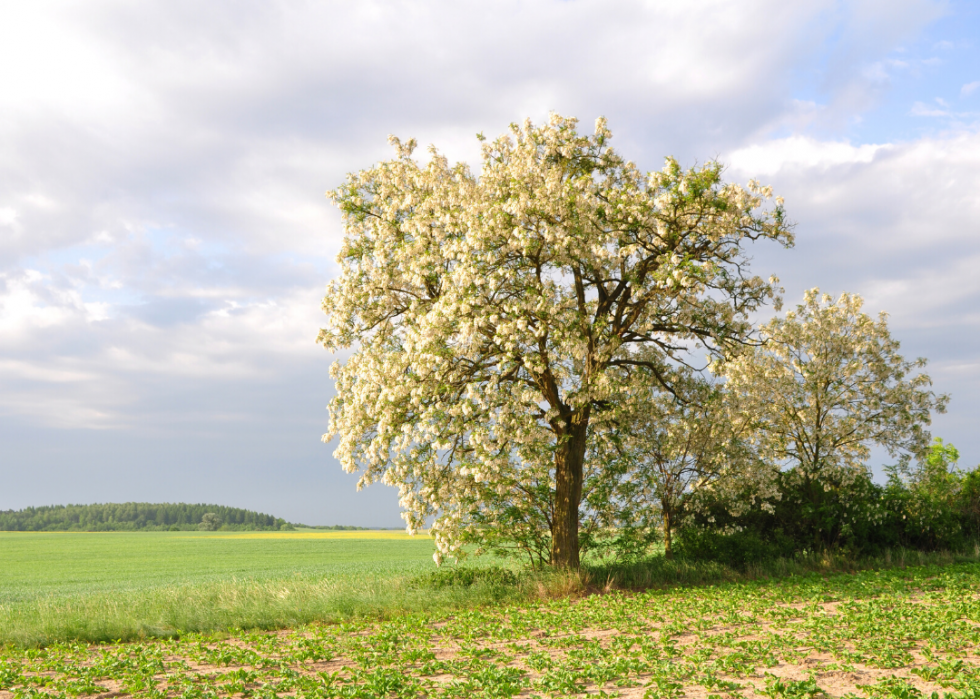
<point>165,240</point>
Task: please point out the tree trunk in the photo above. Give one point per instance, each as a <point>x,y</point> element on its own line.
<point>668,525</point>
<point>569,459</point>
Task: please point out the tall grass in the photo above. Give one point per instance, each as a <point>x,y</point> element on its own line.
<point>269,603</point>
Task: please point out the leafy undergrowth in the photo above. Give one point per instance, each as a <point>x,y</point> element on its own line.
<point>901,633</point>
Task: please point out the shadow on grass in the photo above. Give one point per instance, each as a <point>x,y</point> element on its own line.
<point>659,572</point>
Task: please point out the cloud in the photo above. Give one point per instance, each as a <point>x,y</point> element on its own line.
<point>899,227</point>
<point>128,375</point>
<point>230,125</point>
<point>894,196</point>
<point>969,88</point>
<point>30,301</point>
<point>922,109</point>
<point>800,152</point>
<point>164,237</point>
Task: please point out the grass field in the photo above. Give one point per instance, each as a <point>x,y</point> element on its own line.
<point>355,614</point>
<point>67,563</point>
<point>121,585</point>
<point>902,633</point>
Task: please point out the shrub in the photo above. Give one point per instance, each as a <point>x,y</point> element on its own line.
<point>735,549</point>
<point>933,512</point>
<point>466,577</point>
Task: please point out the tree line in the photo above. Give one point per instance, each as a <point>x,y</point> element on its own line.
<point>138,516</point>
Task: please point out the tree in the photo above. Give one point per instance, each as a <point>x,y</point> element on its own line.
<point>497,318</point>
<point>970,504</point>
<point>210,522</point>
<point>687,441</point>
<point>827,384</point>
<point>934,506</point>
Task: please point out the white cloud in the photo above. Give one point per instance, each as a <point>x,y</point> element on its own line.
<point>932,297</point>
<point>69,363</point>
<point>47,374</point>
<point>923,109</point>
<point>23,305</point>
<point>47,62</point>
<point>969,88</point>
<point>902,228</point>
<point>799,152</point>
<point>881,71</point>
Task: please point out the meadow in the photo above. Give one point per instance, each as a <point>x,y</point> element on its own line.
<point>120,585</point>
<point>356,614</point>
<point>35,564</point>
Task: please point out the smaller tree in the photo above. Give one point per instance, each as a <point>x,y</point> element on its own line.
<point>210,522</point>
<point>686,441</point>
<point>937,473</point>
<point>828,383</point>
<point>936,481</point>
<point>933,508</point>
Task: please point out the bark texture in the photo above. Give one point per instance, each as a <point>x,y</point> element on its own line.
<point>569,461</point>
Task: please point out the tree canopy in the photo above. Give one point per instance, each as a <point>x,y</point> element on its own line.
<point>503,322</point>
<point>829,383</point>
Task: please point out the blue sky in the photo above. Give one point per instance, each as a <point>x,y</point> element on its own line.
<point>165,241</point>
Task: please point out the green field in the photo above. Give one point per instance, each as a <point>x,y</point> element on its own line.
<point>902,633</point>
<point>365,614</point>
<point>121,585</point>
<point>67,563</point>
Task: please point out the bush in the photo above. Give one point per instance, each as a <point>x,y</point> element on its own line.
<point>834,514</point>
<point>735,550</point>
<point>937,510</point>
<point>466,577</point>
<point>969,504</point>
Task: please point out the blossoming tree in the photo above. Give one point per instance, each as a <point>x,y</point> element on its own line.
<point>827,384</point>
<point>495,320</point>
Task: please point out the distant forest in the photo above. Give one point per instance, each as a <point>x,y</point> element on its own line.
<point>141,516</point>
